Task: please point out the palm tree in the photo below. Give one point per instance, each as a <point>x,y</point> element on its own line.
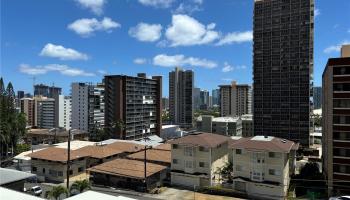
<point>80,185</point>
<point>56,192</point>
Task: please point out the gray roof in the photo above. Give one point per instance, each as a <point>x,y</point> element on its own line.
<point>11,175</point>
<point>15,195</point>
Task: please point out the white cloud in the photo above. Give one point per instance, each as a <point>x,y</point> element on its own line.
<point>96,6</point>
<point>61,52</point>
<point>187,8</point>
<point>102,72</point>
<point>140,61</point>
<point>335,48</point>
<point>186,31</point>
<point>146,32</point>
<point>180,60</point>
<point>227,67</point>
<point>63,69</point>
<point>85,27</point>
<point>227,79</point>
<point>157,3</point>
<point>236,37</point>
<point>317,12</point>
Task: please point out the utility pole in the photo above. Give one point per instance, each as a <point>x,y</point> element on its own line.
<point>68,158</point>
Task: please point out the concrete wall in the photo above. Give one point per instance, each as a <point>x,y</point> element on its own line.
<point>43,168</point>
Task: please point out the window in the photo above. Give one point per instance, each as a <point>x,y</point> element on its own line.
<point>43,170</point>
<point>175,161</point>
<point>60,173</point>
<point>204,149</point>
<point>203,164</point>
<point>238,151</point>
<point>80,169</point>
<point>175,146</point>
<point>272,154</point>
<point>70,172</point>
<point>189,164</point>
<point>188,151</point>
<point>34,169</point>
<point>274,172</point>
<point>238,168</point>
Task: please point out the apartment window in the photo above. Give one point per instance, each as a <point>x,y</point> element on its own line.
<point>80,169</point>
<point>43,170</point>
<point>60,173</point>
<point>175,161</point>
<point>238,168</point>
<point>34,169</point>
<point>203,164</point>
<point>238,151</point>
<point>204,149</point>
<point>70,172</point>
<point>188,151</point>
<point>274,172</point>
<point>189,164</point>
<point>272,154</point>
<point>175,146</point>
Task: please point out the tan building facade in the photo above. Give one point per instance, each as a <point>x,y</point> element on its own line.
<point>196,158</point>
<point>262,166</point>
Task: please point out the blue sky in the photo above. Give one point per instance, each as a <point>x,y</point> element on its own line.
<point>64,41</point>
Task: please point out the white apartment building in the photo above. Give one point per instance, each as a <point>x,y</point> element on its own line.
<point>44,112</point>
<point>196,158</point>
<point>262,166</point>
<point>228,126</point>
<point>65,111</point>
<point>80,106</point>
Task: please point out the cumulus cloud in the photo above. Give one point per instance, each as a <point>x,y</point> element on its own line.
<point>157,3</point>
<point>140,61</point>
<point>227,67</point>
<point>86,27</point>
<point>63,69</point>
<point>180,60</point>
<point>236,37</point>
<point>102,72</point>
<point>96,6</point>
<point>61,52</point>
<point>146,32</point>
<point>186,31</point>
<point>186,8</point>
<point>335,48</point>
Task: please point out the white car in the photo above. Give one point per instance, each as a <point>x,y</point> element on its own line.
<point>36,190</point>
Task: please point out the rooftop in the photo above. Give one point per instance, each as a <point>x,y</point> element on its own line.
<point>225,119</point>
<point>97,195</point>
<point>209,140</point>
<point>14,195</point>
<point>156,155</point>
<point>127,168</point>
<point>57,154</point>
<point>11,175</point>
<point>262,143</point>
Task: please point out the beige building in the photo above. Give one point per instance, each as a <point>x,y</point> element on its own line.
<point>28,108</point>
<point>50,164</point>
<point>345,51</point>
<point>235,99</point>
<point>336,123</point>
<point>262,166</point>
<point>247,125</point>
<point>228,126</point>
<point>196,158</point>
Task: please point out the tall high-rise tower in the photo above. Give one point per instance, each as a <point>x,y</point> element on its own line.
<point>283,68</point>
<point>181,97</point>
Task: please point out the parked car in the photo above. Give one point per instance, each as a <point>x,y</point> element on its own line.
<point>36,190</point>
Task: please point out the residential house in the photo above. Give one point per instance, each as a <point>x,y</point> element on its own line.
<point>262,166</point>
<point>196,159</point>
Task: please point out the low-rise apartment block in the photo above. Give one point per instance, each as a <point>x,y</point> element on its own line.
<point>262,166</point>
<point>196,158</point>
<point>228,126</point>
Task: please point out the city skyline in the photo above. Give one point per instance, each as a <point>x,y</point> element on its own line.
<point>109,40</point>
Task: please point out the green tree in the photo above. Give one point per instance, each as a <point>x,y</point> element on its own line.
<point>56,192</point>
<point>80,186</point>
